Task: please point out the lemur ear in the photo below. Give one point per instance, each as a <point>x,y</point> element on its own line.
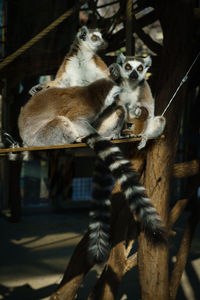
<point>83,32</point>
<point>148,61</point>
<point>114,71</point>
<point>121,59</point>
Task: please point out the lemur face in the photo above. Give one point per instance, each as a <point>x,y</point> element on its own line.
<point>130,68</point>
<point>92,38</point>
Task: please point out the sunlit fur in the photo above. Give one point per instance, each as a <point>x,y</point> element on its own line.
<point>81,65</point>
<point>58,116</point>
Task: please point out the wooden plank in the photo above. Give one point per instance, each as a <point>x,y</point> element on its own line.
<point>3,151</point>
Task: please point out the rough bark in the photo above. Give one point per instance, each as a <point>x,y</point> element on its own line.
<point>186,169</point>
<point>153,262</point>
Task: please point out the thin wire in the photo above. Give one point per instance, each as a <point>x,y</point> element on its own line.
<point>181,83</point>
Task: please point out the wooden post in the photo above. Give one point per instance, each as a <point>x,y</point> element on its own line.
<point>129,28</point>
<point>153,262</point>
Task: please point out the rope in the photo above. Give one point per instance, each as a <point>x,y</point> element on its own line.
<point>129,9</point>
<point>184,79</point>
<point>3,151</point>
<point>39,36</point>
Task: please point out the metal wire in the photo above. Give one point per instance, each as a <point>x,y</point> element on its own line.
<point>181,83</point>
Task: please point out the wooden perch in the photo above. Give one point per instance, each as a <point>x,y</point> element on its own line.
<point>186,169</point>
<point>3,151</point>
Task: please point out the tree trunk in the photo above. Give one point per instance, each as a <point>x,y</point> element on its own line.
<point>153,262</point>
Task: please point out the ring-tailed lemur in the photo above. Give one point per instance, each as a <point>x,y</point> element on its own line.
<point>137,100</point>
<point>62,116</point>
<point>135,105</point>
<point>81,65</point>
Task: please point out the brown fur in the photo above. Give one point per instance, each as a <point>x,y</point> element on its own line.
<point>54,105</point>
<point>100,63</point>
<point>146,96</point>
<point>72,52</point>
<point>139,123</point>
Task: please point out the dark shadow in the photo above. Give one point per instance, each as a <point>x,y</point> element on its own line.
<point>25,292</point>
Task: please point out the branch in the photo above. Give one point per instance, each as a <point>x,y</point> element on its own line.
<point>148,41</point>
<point>183,253</point>
<point>147,19</point>
<point>77,269</point>
<point>176,212</point>
<point>131,262</point>
<point>186,169</point>
<point>115,40</point>
<point>142,4</point>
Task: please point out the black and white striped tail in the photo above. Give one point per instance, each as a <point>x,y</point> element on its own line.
<point>99,227</point>
<point>133,191</point>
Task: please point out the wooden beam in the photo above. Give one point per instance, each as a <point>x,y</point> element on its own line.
<point>3,151</point>
<point>186,169</point>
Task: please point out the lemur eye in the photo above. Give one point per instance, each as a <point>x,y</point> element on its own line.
<point>95,37</point>
<point>128,67</point>
<point>140,68</point>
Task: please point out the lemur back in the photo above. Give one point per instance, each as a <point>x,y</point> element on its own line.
<point>81,65</point>
<point>63,115</point>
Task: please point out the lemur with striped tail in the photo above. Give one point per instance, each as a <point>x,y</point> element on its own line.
<point>58,116</point>
<point>135,105</point>
<point>136,102</point>
<point>133,192</point>
<point>81,65</point>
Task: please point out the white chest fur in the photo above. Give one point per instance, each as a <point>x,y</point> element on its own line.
<point>129,97</point>
<point>81,70</point>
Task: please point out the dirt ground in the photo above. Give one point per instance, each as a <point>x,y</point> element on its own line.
<point>35,253</point>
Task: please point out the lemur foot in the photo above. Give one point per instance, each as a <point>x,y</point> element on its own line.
<point>143,142</point>
<point>35,89</point>
<point>127,133</point>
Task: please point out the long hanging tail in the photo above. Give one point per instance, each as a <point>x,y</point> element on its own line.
<point>133,191</point>
<point>99,227</point>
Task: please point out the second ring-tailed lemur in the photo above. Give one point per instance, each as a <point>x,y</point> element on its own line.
<point>81,65</point>
<point>136,104</point>
<point>64,115</point>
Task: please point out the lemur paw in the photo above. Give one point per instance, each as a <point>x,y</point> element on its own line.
<point>143,142</point>
<point>138,111</point>
<point>35,89</point>
<point>118,90</point>
<point>80,139</point>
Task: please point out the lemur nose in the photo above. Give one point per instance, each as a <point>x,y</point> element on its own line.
<point>134,75</point>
